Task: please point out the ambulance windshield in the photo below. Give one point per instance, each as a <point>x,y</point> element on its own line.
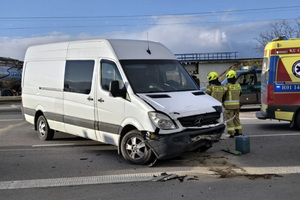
<point>147,76</point>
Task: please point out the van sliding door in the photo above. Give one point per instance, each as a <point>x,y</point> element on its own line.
<point>79,102</point>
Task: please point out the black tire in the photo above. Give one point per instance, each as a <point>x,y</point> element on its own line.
<point>43,129</point>
<point>297,120</point>
<point>7,93</point>
<point>134,149</point>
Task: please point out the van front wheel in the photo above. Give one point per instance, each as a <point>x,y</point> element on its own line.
<point>134,149</point>
<point>43,129</point>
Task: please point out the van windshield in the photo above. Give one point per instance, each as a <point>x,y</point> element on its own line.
<point>147,76</point>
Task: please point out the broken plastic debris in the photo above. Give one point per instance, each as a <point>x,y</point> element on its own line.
<point>165,177</point>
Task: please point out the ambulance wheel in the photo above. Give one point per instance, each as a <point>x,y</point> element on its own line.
<point>297,120</point>
<point>43,129</point>
<point>134,149</point>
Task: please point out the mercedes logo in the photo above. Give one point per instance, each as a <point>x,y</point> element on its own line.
<point>198,121</point>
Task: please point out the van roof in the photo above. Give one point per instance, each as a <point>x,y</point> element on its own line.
<point>140,49</point>
<point>112,48</point>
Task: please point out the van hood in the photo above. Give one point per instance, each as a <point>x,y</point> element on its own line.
<point>181,104</point>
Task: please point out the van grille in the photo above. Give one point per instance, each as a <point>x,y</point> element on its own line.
<point>200,120</point>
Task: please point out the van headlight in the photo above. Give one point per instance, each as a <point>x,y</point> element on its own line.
<point>161,121</point>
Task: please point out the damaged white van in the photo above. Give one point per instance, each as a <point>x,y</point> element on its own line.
<point>129,93</point>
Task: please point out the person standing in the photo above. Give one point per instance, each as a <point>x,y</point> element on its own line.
<point>214,89</point>
<point>232,104</point>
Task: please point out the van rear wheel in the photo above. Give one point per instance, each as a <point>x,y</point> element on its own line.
<point>43,129</point>
<point>134,149</point>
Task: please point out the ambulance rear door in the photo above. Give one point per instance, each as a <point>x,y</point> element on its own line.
<point>287,82</point>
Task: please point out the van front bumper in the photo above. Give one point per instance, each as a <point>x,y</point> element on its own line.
<point>168,146</point>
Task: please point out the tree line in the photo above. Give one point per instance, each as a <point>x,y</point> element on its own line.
<point>278,29</point>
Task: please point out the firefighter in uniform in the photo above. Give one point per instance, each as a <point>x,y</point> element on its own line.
<point>215,89</point>
<point>232,104</point>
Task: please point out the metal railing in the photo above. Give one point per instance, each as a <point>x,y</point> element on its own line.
<point>207,56</point>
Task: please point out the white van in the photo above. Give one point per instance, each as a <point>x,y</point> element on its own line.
<point>129,93</point>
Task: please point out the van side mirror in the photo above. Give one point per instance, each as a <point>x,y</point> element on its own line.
<point>115,90</point>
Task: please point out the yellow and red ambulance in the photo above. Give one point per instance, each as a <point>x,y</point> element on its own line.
<point>280,81</point>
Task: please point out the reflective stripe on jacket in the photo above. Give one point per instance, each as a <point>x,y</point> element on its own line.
<point>216,91</point>
<point>232,96</point>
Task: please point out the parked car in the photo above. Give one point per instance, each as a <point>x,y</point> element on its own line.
<point>250,80</point>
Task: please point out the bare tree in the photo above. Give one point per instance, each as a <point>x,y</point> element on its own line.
<point>278,29</point>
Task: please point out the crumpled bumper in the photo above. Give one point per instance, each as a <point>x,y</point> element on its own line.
<point>168,146</point>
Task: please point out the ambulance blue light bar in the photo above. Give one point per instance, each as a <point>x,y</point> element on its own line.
<point>249,68</point>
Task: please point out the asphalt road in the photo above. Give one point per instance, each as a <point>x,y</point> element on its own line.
<point>69,167</point>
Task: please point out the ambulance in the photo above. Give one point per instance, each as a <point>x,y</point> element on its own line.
<point>129,93</point>
<point>280,81</point>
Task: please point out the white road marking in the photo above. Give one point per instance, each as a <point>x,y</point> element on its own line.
<point>11,127</point>
<point>276,135</point>
<point>246,118</point>
<point>141,177</point>
<point>52,145</point>
<point>58,182</point>
<point>9,120</point>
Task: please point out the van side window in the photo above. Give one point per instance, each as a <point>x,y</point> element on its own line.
<point>109,72</point>
<point>258,78</point>
<point>78,76</point>
<point>246,79</point>
<point>241,79</point>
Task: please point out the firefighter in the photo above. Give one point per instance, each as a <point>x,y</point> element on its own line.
<point>214,89</point>
<point>232,104</point>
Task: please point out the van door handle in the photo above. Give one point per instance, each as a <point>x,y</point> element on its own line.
<point>101,100</point>
<point>90,99</point>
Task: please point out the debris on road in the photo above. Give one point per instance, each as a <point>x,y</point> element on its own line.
<point>166,177</point>
<point>234,171</point>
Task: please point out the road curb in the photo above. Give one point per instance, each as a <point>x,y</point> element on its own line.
<point>10,99</point>
<point>10,107</point>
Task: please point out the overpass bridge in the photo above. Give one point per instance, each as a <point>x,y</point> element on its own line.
<point>207,56</point>
<point>200,64</point>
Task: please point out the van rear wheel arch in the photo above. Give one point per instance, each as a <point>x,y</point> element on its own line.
<point>42,127</point>
<point>37,115</point>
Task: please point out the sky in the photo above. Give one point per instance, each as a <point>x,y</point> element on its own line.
<point>184,26</point>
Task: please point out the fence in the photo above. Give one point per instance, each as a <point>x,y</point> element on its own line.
<point>207,56</point>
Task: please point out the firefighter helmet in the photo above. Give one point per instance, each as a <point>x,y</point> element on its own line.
<point>212,76</point>
<point>231,74</point>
